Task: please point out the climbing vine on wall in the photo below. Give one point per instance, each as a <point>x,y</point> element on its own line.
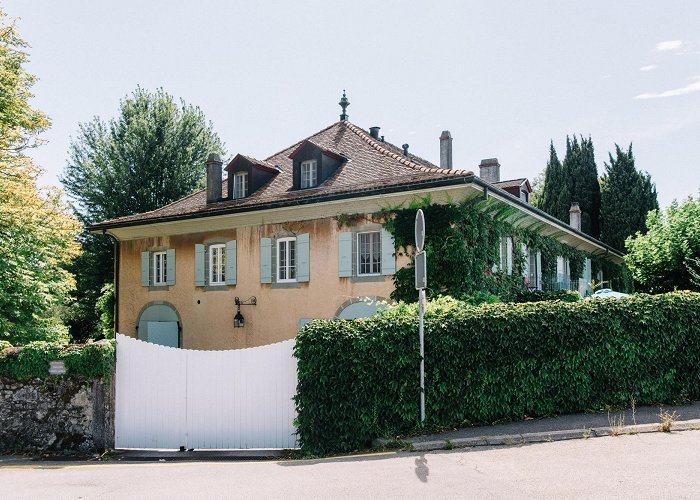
<point>462,246</point>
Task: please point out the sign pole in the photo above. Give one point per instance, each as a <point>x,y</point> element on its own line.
<point>421,312</point>
<point>421,284</point>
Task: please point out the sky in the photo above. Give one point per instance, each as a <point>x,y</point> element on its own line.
<point>505,78</point>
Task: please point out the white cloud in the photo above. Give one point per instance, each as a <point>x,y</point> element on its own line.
<point>650,67</point>
<point>688,89</point>
<point>669,45</point>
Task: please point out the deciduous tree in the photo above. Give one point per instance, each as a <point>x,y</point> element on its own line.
<point>37,231</point>
<point>666,257</point>
<point>152,153</point>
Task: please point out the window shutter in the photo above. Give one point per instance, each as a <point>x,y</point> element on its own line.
<point>303,257</point>
<point>145,268</point>
<point>199,265</point>
<point>345,255</point>
<point>265,260</point>
<point>231,262</point>
<point>388,260</point>
<point>170,266</point>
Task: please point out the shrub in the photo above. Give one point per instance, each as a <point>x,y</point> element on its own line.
<point>92,360</point>
<point>546,296</point>
<point>359,379</point>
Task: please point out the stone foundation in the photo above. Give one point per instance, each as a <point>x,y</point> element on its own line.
<point>56,415</point>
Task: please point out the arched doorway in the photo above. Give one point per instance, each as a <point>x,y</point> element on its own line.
<point>159,323</point>
<point>361,307</point>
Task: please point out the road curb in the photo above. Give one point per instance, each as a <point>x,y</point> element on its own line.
<point>539,437</point>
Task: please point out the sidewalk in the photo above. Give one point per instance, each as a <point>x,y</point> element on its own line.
<point>573,426</point>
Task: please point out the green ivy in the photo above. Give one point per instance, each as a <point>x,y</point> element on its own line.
<point>462,247</point>
<point>92,360</point>
<point>358,380</point>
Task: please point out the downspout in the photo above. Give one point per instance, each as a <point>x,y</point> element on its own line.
<point>116,280</point>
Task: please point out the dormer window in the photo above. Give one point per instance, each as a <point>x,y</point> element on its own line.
<point>309,174</point>
<point>240,185</point>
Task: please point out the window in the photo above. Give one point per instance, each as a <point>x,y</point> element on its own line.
<point>309,174</point>
<point>160,267</point>
<point>217,264</point>
<point>532,268</point>
<point>369,253</point>
<point>366,253</point>
<point>240,185</point>
<point>286,260</point>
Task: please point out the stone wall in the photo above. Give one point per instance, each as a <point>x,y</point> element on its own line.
<point>56,415</point>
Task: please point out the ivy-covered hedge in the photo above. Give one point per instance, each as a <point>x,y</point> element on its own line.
<point>359,379</point>
<point>92,360</point>
<point>545,296</point>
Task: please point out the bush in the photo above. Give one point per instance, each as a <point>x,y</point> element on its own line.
<point>358,380</point>
<point>547,296</point>
<point>105,312</point>
<point>478,298</point>
<point>93,360</point>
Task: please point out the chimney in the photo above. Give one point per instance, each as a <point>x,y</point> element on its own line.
<point>374,132</point>
<point>445,149</point>
<point>214,175</point>
<point>405,149</point>
<point>575,216</point>
<point>490,170</point>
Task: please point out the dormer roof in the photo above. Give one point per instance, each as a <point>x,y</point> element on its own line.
<point>268,167</point>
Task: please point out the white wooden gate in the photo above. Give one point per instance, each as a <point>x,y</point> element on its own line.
<point>168,397</point>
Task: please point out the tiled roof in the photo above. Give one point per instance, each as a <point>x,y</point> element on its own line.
<point>509,184</point>
<point>371,164</point>
<point>263,164</point>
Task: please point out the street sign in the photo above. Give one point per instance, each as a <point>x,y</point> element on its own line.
<point>421,271</point>
<point>420,230</point>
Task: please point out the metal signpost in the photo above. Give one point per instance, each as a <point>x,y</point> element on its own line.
<point>421,285</point>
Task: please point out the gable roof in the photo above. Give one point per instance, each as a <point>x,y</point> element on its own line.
<point>513,183</point>
<point>261,164</point>
<point>370,165</point>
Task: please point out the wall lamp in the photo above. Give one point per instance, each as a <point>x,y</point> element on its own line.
<point>238,319</point>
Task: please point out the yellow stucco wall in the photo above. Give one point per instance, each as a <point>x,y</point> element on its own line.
<point>207,315</point>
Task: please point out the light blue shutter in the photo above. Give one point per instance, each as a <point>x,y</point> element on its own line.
<point>231,262</point>
<point>199,265</point>
<point>303,257</point>
<point>145,268</point>
<point>170,266</point>
<point>345,255</point>
<point>265,260</point>
<point>388,261</point>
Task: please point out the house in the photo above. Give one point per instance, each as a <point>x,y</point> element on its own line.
<point>282,240</point>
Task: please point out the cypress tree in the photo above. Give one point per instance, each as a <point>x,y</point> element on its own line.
<point>554,182</point>
<point>576,179</point>
<point>627,195</point>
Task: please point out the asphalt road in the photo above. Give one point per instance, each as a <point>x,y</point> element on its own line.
<point>638,466</point>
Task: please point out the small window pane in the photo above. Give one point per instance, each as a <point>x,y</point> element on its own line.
<point>369,253</point>
<point>217,264</point>
<point>286,259</point>
<point>240,185</point>
<point>309,175</point>
<point>159,268</point>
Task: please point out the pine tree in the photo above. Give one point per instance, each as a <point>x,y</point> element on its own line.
<point>627,195</point>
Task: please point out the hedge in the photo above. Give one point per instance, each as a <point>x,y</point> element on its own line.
<point>92,360</point>
<point>358,380</point>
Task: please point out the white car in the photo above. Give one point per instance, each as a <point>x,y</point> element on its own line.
<point>608,292</point>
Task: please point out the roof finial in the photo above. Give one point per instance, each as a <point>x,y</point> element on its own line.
<point>344,103</point>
